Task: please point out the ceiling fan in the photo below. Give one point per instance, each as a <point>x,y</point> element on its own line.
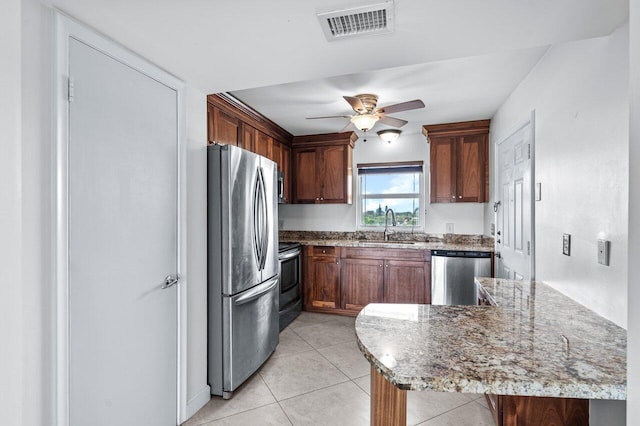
<point>366,114</point>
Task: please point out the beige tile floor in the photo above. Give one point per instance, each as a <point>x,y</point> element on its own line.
<point>317,376</point>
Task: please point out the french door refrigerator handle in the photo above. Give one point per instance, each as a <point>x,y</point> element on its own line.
<point>256,224</point>
<point>256,292</point>
<point>265,219</point>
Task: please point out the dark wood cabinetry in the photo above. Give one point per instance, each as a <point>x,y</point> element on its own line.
<point>362,282</point>
<point>364,275</point>
<point>510,410</point>
<point>459,161</point>
<point>321,278</point>
<point>229,121</point>
<point>322,166</point>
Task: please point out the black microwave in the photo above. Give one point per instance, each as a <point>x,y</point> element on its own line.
<point>281,197</point>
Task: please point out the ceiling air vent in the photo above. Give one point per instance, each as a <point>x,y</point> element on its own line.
<point>357,20</point>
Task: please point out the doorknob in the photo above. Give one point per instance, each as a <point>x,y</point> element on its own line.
<point>498,255</point>
<point>170,281</point>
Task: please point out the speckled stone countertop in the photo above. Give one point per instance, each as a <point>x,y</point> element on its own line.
<point>535,341</point>
<point>404,240</point>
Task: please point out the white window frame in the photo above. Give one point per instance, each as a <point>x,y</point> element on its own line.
<point>421,197</point>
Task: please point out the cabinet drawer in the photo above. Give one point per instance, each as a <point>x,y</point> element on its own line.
<point>325,251</point>
<point>385,253</point>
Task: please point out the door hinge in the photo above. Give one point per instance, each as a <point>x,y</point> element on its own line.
<point>529,151</point>
<point>529,248</point>
<point>70,89</point>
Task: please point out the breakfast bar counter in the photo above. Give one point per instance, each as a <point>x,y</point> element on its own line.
<point>527,340</point>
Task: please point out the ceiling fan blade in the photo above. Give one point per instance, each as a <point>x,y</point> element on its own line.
<point>355,103</point>
<point>329,116</point>
<point>392,121</point>
<point>402,106</point>
<point>346,128</point>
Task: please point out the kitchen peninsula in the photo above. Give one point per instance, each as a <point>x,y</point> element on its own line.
<point>527,341</point>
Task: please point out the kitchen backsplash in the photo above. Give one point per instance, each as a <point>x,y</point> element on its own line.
<point>377,236</point>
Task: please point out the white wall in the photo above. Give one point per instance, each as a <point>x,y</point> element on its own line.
<point>633,334</point>
<point>197,389</point>
<point>579,91</point>
<point>11,325</point>
<point>468,218</point>
<point>37,379</point>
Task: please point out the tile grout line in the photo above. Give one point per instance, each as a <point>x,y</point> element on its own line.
<point>448,411</point>
<point>276,399</point>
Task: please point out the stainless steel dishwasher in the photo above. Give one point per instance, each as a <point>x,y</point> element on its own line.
<point>452,276</point>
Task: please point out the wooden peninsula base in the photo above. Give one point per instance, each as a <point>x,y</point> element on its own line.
<point>389,407</point>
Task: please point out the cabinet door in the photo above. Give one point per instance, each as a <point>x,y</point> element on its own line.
<point>362,282</point>
<point>443,170</point>
<point>226,129</point>
<point>263,144</point>
<point>324,274</point>
<point>306,177</point>
<point>471,169</point>
<point>276,151</point>
<point>333,184</point>
<point>406,282</point>
<point>248,135</point>
<point>285,160</point>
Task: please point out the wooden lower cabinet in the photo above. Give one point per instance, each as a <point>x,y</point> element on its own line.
<point>362,283</point>
<point>321,278</point>
<point>509,410</point>
<point>407,281</point>
<point>344,280</point>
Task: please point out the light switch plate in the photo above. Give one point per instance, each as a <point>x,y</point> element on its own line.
<point>603,252</point>
<point>566,244</point>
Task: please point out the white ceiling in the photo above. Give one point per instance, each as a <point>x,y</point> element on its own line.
<point>231,45</point>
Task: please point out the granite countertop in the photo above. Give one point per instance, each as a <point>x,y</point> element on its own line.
<point>400,240</point>
<point>535,341</point>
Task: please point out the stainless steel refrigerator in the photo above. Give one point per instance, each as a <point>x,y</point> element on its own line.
<point>242,265</point>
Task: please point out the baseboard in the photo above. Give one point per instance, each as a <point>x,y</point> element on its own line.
<point>198,401</point>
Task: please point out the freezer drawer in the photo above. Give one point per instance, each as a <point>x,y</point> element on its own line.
<point>251,334</point>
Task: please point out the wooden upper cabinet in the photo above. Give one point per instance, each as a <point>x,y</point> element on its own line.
<point>229,121</point>
<point>226,129</point>
<point>263,143</point>
<point>285,160</point>
<point>248,136</point>
<point>306,176</point>
<point>322,168</point>
<point>459,161</point>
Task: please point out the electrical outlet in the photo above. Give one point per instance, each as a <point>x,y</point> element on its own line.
<point>449,228</point>
<point>566,244</point>
<point>603,252</point>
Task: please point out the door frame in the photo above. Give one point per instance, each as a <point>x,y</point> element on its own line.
<point>531,121</point>
<point>66,28</point>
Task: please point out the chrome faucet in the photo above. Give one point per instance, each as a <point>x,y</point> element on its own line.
<point>386,225</point>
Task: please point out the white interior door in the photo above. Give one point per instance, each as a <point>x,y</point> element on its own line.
<point>514,221</point>
<point>122,243</point>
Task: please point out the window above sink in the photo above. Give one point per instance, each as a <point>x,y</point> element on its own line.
<point>397,186</point>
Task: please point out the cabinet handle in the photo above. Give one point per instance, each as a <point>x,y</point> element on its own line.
<point>317,198</point>
<point>337,262</point>
<point>380,266</point>
<point>324,252</point>
<point>459,196</point>
<point>453,197</point>
<point>386,266</point>
<point>321,198</point>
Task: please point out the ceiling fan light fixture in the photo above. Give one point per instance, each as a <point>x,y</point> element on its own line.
<point>364,122</point>
<point>389,135</point>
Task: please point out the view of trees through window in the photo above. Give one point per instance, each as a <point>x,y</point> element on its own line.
<point>390,189</point>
